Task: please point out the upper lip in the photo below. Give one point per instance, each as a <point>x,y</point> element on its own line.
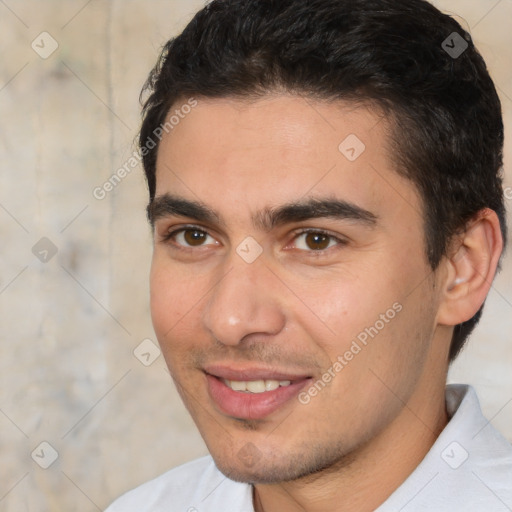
<point>247,373</point>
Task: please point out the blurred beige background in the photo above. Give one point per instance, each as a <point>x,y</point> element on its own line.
<point>74,268</point>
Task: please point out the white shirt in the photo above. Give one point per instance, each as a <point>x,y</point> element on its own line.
<point>468,468</point>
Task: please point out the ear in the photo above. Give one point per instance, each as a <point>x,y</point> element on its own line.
<point>470,268</point>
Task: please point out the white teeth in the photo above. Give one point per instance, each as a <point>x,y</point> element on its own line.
<point>256,386</point>
<point>237,386</point>
<point>270,385</point>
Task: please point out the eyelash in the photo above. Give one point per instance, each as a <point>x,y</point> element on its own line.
<point>320,252</point>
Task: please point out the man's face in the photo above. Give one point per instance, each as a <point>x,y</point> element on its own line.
<point>253,307</point>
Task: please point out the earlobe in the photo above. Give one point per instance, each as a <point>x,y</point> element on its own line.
<point>471,268</point>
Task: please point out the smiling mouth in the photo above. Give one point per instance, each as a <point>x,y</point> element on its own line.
<point>254,394</point>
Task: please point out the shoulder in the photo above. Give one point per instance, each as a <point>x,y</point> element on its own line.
<point>469,467</point>
<point>195,486</point>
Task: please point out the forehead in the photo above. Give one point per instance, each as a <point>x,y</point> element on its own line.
<point>245,155</point>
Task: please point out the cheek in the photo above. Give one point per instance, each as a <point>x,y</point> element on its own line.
<point>173,299</point>
<point>346,304</point>
<point>378,315</point>
<point>396,348</point>
<point>164,307</point>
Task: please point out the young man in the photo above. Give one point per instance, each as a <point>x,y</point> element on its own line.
<point>328,218</point>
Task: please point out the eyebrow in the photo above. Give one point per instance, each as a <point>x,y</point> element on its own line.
<point>168,205</point>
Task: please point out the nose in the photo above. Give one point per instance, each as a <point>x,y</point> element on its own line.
<point>245,301</point>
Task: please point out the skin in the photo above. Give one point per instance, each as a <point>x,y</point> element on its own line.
<point>297,308</point>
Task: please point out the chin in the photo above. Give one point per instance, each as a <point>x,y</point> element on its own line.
<point>259,474</point>
<point>249,465</point>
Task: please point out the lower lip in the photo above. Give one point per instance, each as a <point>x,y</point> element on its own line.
<point>251,406</point>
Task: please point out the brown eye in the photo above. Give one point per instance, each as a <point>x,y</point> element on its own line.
<point>190,237</point>
<point>317,241</point>
<point>194,237</point>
